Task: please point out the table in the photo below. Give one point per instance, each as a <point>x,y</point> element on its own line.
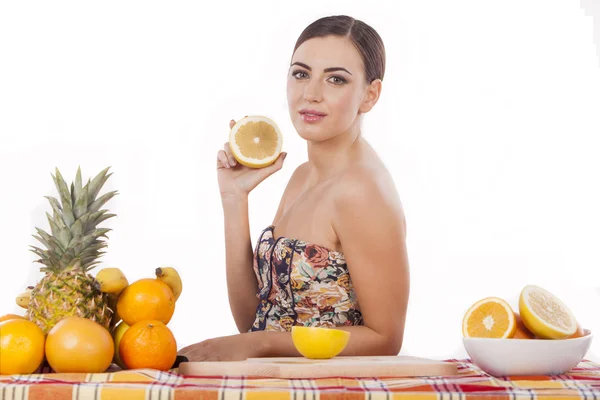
<point>582,382</point>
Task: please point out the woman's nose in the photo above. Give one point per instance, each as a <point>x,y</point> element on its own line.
<point>313,91</point>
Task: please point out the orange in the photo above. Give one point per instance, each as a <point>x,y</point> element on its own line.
<point>146,299</point>
<point>148,344</point>
<point>522,332</point>
<point>78,344</point>
<point>491,317</point>
<point>10,316</point>
<point>578,333</point>
<point>21,347</point>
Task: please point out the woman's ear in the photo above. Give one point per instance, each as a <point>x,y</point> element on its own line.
<point>371,96</point>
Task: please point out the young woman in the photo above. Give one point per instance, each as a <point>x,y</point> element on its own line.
<point>335,255</point>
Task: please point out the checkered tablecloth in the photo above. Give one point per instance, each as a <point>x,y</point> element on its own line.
<point>582,382</point>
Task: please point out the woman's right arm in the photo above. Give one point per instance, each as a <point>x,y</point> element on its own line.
<point>235,184</point>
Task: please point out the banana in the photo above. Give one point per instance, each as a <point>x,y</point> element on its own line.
<point>24,297</point>
<point>170,276</point>
<point>112,304</point>
<point>111,280</point>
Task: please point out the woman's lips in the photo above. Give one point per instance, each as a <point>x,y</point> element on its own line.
<point>312,116</point>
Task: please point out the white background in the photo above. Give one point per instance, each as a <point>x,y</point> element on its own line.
<point>487,120</point>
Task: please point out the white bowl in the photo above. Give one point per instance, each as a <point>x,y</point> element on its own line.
<point>502,357</point>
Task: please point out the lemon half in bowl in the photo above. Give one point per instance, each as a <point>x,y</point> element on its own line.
<point>318,342</point>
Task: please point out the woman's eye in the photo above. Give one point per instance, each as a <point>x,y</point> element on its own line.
<point>299,74</point>
<point>337,80</point>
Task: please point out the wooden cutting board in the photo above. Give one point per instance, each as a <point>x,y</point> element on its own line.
<point>300,367</point>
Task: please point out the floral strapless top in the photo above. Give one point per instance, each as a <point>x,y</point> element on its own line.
<point>300,283</point>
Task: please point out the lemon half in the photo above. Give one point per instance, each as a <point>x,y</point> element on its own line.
<point>319,343</point>
<point>545,315</point>
<point>255,141</point>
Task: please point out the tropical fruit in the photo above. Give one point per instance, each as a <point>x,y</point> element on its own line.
<point>21,347</point>
<point>146,299</point>
<point>72,250</point>
<point>112,281</point>
<point>545,315</point>
<point>24,298</point>
<point>255,141</point>
<point>170,276</point>
<point>117,335</point>
<point>319,343</point>
<point>491,317</point>
<point>148,344</point>
<point>77,344</point>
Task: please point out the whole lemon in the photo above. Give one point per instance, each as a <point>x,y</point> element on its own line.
<point>117,335</point>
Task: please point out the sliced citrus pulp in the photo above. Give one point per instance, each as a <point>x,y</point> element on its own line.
<point>491,317</point>
<point>546,315</point>
<point>255,141</point>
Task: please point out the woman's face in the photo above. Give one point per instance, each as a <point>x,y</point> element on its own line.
<point>326,87</point>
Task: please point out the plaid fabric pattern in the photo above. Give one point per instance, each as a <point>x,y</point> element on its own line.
<point>582,382</point>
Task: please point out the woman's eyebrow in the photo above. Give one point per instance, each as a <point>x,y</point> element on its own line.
<point>331,69</point>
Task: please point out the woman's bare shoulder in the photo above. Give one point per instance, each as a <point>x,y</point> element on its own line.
<point>367,180</point>
<point>371,187</point>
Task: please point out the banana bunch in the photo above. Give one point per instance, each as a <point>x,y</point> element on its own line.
<point>112,281</point>
<point>170,276</point>
<point>24,297</point>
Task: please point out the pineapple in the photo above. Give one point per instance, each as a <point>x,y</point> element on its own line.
<point>72,250</point>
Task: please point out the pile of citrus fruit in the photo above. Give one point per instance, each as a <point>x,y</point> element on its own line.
<point>542,315</point>
<point>76,344</point>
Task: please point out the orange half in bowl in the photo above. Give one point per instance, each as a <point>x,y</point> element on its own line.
<point>319,343</point>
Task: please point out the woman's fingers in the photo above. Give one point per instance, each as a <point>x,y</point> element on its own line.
<point>230,157</point>
<point>222,159</point>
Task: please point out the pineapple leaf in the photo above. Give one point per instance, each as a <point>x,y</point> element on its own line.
<point>104,218</point>
<point>38,251</point>
<point>76,231</point>
<point>97,184</point>
<point>95,206</point>
<point>45,238</point>
<point>55,205</point>
<point>64,236</point>
<point>65,198</point>
<point>53,227</point>
<point>41,240</point>
<point>76,186</point>
<point>81,203</point>
<point>94,217</point>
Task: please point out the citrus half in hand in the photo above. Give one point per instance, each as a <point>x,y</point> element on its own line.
<point>255,141</point>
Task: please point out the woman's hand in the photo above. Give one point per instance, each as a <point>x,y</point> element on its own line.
<point>236,179</point>
<point>227,348</point>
